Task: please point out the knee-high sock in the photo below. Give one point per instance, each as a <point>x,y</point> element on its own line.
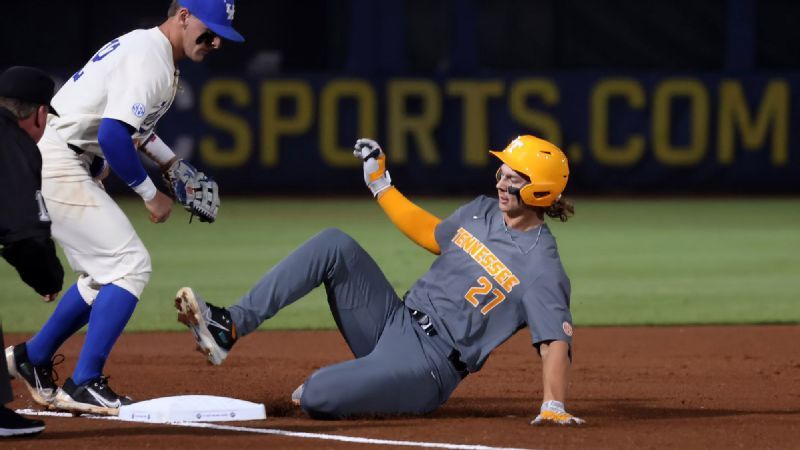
<point>111,311</point>
<point>71,314</point>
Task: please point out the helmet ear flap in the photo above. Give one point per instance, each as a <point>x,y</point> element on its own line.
<point>527,194</point>
<point>531,196</point>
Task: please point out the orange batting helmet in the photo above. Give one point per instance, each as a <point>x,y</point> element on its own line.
<point>543,163</point>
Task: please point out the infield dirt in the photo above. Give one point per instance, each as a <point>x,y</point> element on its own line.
<point>702,387</point>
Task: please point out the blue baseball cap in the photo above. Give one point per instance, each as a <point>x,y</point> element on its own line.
<point>217,15</point>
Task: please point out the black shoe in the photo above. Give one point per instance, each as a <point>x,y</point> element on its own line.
<point>39,379</point>
<point>95,397</point>
<point>12,424</point>
<point>212,326</point>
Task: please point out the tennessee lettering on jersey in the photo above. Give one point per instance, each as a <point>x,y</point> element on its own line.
<point>483,256</point>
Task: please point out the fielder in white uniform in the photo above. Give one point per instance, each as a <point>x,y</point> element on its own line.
<point>105,113</point>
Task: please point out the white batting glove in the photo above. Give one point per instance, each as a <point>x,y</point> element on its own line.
<point>376,176</point>
<point>552,412</point>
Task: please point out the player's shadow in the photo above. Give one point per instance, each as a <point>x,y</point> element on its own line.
<point>465,407</point>
<point>638,409</point>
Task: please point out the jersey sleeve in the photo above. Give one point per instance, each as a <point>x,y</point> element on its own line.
<point>133,88</point>
<point>416,223</point>
<point>546,304</point>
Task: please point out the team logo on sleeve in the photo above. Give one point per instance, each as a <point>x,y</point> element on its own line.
<point>567,328</point>
<point>138,109</point>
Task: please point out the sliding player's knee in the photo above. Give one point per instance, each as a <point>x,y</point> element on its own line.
<point>336,239</point>
<point>319,400</point>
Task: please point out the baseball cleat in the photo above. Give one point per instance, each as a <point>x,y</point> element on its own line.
<point>213,329</point>
<point>94,397</point>
<point>297,394</point>
<point>38,379</point>
<point>12,424</point>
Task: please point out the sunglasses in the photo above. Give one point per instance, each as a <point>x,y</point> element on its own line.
<point>207,38</point>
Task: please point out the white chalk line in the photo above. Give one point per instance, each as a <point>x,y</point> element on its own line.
<point>329,437</point>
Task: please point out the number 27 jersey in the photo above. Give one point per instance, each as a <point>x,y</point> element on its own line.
<point>489,282</point>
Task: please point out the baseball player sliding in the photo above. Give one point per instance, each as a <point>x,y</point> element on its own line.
<point>498,270</point>
<point>103,114</point>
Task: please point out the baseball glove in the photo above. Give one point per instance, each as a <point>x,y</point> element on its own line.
<point>196,192</point>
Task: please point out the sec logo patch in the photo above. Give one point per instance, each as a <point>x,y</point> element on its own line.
<point>138,109</point>
<point>567,328</point>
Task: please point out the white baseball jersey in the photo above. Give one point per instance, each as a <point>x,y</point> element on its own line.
<point>133,79</point>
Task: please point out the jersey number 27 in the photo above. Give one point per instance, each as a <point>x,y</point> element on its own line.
<point>483,289</point>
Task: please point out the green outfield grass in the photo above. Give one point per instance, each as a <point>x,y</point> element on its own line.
<point>631,262</point>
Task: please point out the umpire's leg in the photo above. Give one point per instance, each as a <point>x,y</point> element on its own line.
<point>359,295</point>
<point>5,385</point>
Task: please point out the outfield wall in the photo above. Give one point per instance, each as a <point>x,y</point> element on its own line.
<point>623,133</point>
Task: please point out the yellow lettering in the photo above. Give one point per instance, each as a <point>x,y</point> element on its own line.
<point>331,95</point>
<point>458,239</point>
<point>665,93</point>
<point>419,127</point>
<point>546,125</point>
<point>479,257</point>
<point>474,247</point>
<point>469,242</point>
<point>496,268</point>
<point>503,275</point>
<point>489,264</point>
<point>237,127</point>
<point>623,155</point>
<point>475,137</point>
<point>273,124</point>
<point>773,114</point>
<point>510,282</point>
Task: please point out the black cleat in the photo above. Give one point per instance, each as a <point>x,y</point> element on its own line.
<point>12,424</point>
<point>39,380</point>
<point>94,397</point>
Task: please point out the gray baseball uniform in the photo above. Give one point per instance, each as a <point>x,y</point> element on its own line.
<point>488,283</point>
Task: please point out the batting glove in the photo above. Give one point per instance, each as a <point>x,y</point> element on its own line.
<point>376,176</point>
<point>552,412</point>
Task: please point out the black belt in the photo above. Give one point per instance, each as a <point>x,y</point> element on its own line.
<point>427,326</point>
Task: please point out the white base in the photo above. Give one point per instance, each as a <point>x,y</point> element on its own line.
<point>192,408</point>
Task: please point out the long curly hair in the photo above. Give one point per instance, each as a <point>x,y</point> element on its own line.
<point>562,209</point>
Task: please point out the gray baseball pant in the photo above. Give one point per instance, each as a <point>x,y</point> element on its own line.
<point>398,368</point>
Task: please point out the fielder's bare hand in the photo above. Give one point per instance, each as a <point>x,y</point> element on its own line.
<point>159,206</point>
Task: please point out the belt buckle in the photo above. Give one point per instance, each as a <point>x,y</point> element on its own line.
<point>428,328</point>
<point>424,322</point>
